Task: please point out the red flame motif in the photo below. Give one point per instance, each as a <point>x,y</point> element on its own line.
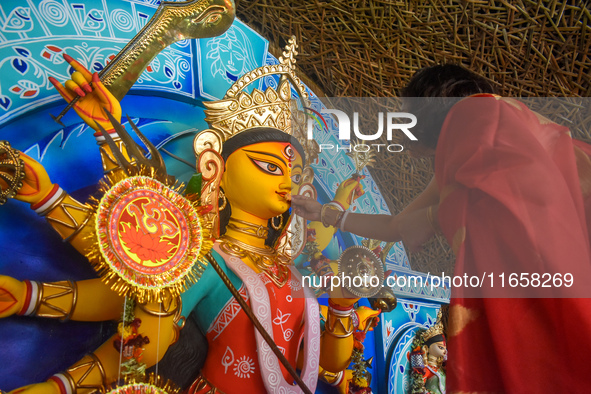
<point>147,247</point>
<point>147,239</point>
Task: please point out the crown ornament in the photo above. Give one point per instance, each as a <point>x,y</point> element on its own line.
<point>240,110</point>
<point>434,330</point>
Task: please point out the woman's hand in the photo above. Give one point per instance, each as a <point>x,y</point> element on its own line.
<point>94,97</point>
<point>12,295</point>
<point>306,207</point>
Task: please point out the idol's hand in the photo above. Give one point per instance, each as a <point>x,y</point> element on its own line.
<point>38,388</point>
<point>342,297</point>
<point>36,184</point>
<point>12,296</point>
<point>368,318</point>
<point>349,190</point>
<point>94,97</point>
<point>306,207</point>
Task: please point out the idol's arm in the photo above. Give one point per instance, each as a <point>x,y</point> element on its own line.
<point>94,372</point>
<point>69,217</point>
<point>336,344</point>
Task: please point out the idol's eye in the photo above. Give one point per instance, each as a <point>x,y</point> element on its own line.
<point>296,178</point>
<point>268,167</point>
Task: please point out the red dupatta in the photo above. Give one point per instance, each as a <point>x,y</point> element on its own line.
<point>511,202</point>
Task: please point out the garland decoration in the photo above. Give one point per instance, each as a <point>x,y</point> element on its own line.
<point>131,344</point>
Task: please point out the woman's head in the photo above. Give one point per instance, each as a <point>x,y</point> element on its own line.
<point>431,93</point>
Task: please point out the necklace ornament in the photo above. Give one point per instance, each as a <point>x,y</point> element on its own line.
<point>252,229</point>
<point>274,265</point>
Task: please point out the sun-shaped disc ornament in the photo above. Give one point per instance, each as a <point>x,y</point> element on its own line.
<point>145,388</point>
<point>364,269</point>
<point>149,236</point>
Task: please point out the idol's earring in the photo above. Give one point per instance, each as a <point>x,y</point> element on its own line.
<point>222,195</point>
<point>278,226</point>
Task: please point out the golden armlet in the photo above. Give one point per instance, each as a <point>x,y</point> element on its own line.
<point>339,321</point>
<point>175,308</point>
<point>110,163</point>
<point>82,377</point>
<point>55,300</point>
<point>332,378</point>
<point>65,214</point>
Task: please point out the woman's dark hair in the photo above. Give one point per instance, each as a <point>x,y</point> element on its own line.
<point>431,93</point>
<point>249,137</point>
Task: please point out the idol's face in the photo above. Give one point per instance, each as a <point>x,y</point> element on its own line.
<point>438,349</point>
<point>260,178</point>
<point>232,59</point>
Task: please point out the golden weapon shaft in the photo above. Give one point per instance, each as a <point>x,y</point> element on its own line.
<point>170,23</point>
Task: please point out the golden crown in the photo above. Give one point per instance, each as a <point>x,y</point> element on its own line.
<point>239,110</point>
<point>435,329</point>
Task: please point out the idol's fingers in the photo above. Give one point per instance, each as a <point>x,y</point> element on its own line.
<point>76,65</point>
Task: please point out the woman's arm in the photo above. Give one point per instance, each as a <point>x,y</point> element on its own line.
<point>414,225</point>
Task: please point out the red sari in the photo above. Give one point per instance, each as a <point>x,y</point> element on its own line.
<point>512,203</point>
<point>238,359</point>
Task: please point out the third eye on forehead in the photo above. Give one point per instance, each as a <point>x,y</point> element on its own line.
<point>289,152</point>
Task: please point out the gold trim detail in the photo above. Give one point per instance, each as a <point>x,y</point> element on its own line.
<point>332,320</point>
<point>55,203</point>
<point>72,223</point>
<point>168,307</point>
<point>69,287</point>
<point>251,229</point>
<point>274,265</point>
<point>91,364</point>
<point>13,171</point>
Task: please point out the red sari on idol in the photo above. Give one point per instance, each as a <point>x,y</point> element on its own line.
<point>238,359</point>
<point>513,191</point>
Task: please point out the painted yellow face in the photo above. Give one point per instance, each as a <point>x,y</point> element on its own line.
<point>260,178</point>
